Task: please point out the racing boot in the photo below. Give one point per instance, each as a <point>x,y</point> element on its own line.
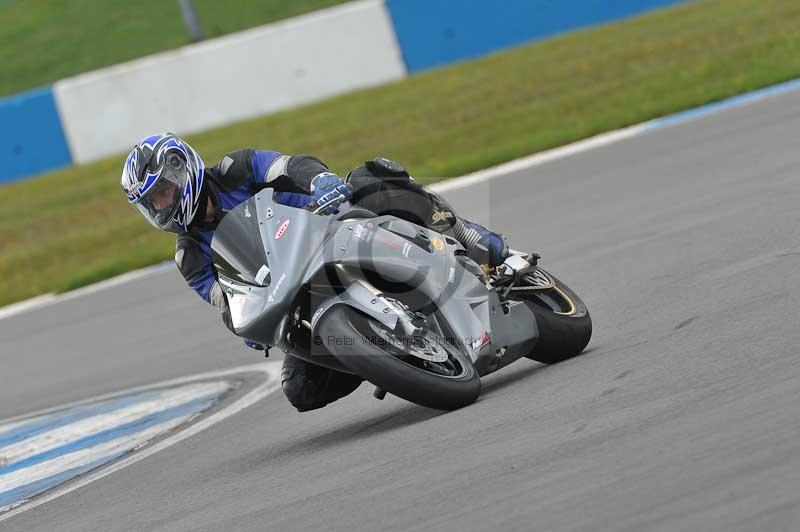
<point>508,267</point>
<point>483,246</point>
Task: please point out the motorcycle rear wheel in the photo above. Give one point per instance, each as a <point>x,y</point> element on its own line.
<point>446,386</point>
<point>565,326</point>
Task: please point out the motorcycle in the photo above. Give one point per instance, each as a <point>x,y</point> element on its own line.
<point>396,303</point>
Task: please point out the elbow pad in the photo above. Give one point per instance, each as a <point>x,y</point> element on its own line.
<point>277,169</point>
<point>293,173</point>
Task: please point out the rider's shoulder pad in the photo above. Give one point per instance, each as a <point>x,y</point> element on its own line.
<point>189,257</point>
<point>234,169</point>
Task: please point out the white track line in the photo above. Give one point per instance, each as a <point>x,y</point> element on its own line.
<point>28,304</point>
<point>83,428</point>
<point>51,299</point>
<point>537,159</point>
<point>82,457</point>
<point>481,176</point>
<point>271,370</point>
<point>443,186</point>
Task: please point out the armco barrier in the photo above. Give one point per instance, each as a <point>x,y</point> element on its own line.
<point>437,32</point>
<point>31,138</point>
<point>232,78</point>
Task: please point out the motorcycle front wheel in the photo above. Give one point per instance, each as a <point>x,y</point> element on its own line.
<point>427,370</point>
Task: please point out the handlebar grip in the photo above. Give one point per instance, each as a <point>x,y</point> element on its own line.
<point>339,200</point>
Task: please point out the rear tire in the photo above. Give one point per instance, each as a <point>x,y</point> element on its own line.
<point>565,326</point>
<point>378,363</point>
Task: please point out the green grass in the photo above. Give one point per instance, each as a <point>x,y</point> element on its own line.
<point>44,41</point>
<point>74,226</point>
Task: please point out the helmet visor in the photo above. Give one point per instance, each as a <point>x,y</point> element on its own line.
<point>161,202</point>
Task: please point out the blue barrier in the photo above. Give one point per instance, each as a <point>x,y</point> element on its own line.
<point>31,137</point>
<point>430,33</point>
<point>437,32</point>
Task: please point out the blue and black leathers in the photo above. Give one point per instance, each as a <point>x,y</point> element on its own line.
<point>381,186</point>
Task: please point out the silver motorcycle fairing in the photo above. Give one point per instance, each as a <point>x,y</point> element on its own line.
<point>465,312</point>
<point>294,245</point>
<point>397,261</point>
<point>361,296</point>
<point>290,244</point>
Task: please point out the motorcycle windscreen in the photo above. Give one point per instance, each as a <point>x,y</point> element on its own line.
<point>237,250</point>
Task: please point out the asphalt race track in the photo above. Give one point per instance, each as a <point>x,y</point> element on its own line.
<point>683,414</point>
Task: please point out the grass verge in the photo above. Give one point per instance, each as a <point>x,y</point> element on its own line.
<point>42,42</point>
<point>74,226</point>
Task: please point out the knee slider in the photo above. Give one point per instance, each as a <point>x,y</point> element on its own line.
<point>300,390</point>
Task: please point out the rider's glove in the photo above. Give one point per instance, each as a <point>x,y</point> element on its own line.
<point>326,187</point>
<point>255,345</point>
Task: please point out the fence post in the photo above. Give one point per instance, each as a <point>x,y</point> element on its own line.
<point>191,20</point>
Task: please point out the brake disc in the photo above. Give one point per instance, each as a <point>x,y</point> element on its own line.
<point>431,351</point>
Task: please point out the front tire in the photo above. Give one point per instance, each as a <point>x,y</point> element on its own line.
<point>446,386</point>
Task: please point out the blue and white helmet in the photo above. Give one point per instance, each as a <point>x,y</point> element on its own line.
<point>163,177</point>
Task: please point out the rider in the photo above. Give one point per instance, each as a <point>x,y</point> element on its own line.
<point>167,181</point>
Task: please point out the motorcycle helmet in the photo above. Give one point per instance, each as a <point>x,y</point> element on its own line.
<point>163,177</point>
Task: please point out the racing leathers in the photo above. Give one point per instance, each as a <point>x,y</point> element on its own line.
<point>380,185</point>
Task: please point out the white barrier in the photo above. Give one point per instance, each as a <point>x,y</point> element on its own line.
<point>240,76</point>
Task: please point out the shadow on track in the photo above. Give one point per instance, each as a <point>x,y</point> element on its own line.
<point>508,376</point>
<point>405,416</point>
<point>519,370</point>
<point>299,447</point>
<point>310,443</point>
